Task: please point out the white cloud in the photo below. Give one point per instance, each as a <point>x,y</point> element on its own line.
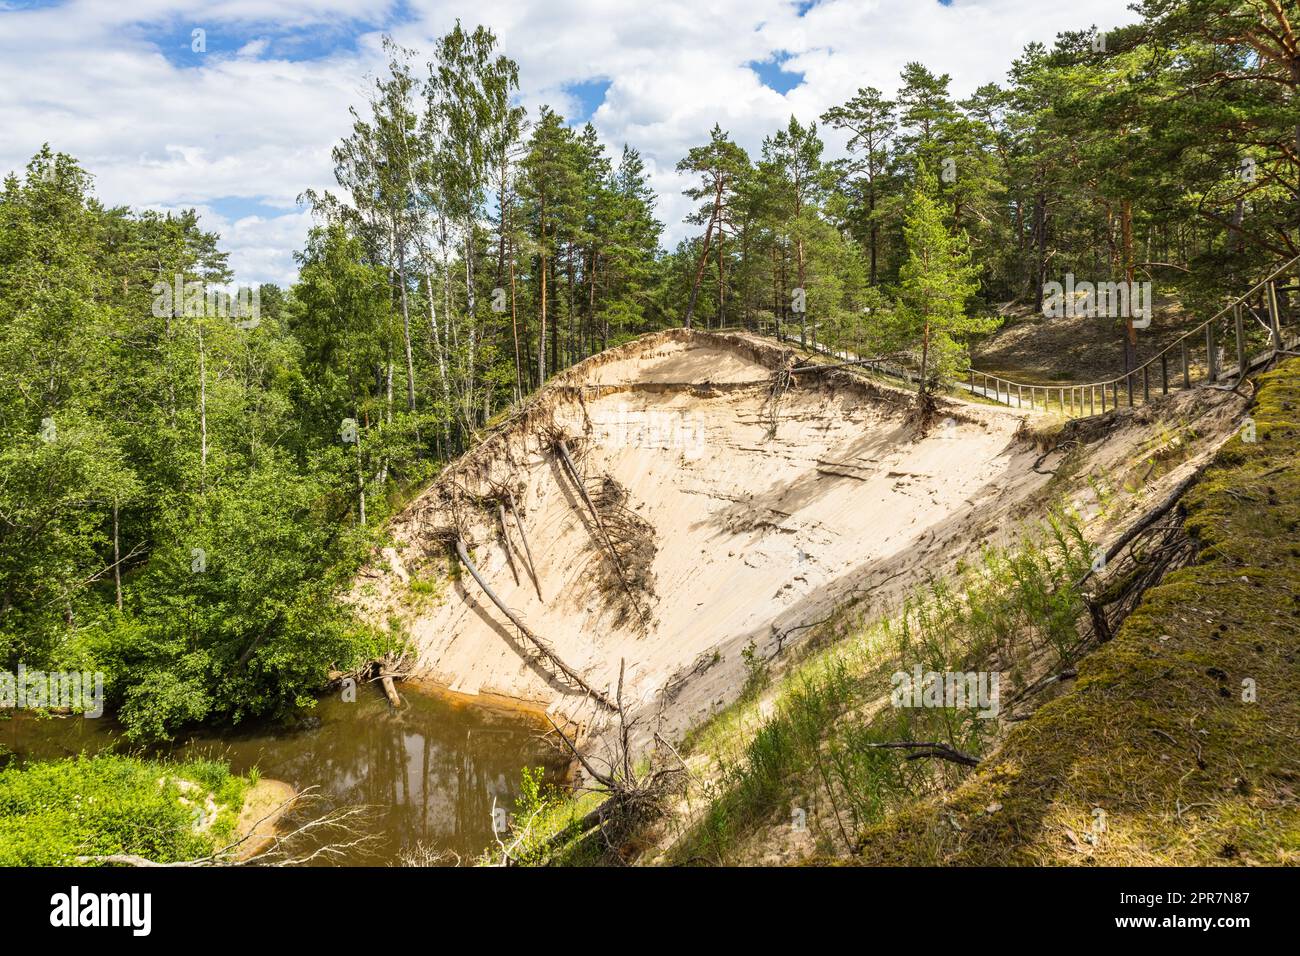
<point>255,117</point>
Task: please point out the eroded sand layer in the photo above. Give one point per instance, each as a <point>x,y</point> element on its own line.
<point>755,532</point>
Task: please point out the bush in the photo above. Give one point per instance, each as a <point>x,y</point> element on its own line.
<point>52,813</point>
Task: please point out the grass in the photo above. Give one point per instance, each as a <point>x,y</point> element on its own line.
<point>814,749</point>
<point>546,815</point>
<point>1177,746</point>
<point>53,812</point>
<point>423,592</point>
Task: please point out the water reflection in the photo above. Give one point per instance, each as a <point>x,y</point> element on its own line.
<point>426,774</point>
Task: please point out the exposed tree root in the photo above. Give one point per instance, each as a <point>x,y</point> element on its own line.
<point>562,449</point>
<point>635,797</point>
<point>782,381</point>
<point>924,412</point>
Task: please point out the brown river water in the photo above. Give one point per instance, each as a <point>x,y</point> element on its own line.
<point>426,774</point>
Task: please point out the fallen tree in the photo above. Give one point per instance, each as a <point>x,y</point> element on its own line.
<point>541,646</point>
<point>562,449</point>
<point>523,536</point>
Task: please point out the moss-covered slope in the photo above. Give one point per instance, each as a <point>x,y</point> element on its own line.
<point>1180,743</point>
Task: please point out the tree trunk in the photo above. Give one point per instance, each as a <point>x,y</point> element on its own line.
<point>722,281</point>
<point>591,300</point>
<point>406,329</point>
<point>555,319</point>
<point>1130,339</point>
<point>471,322</point>
<point>541,329</point>
<point>699,274</point>
<point>575,330</point>
<point>437,343</point>
<point>361,478</point>
<point>925,358</point>
<point>117,559</point>
<point>716,218</point>
<point>203,411</point>
<point>540,645</point>
<point>1040,249</point>
<point>523,537</point>
<point>798,244</point>
<point>514,328</point>
<point>874,231</point>
<point>776,293</point>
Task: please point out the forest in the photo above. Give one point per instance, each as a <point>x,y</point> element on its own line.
<point>190,473</point>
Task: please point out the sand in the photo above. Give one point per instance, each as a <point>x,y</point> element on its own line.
<point>264,806</point>
<point>755,533</point>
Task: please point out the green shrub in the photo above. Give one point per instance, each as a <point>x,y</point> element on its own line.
<point>52,813</point>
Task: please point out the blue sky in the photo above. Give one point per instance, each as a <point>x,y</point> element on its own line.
<point>776,75</point>
<point>240,126</point>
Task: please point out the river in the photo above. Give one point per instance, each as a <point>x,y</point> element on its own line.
<point>426,774</point>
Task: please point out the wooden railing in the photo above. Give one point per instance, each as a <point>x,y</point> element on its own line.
<point>1250,343</point>
<point>1252,337</point>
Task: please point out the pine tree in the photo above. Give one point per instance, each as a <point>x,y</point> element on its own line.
<point>934,285</point>
<point>551,187</point>
<point>720,166</point>
<point>870,117</point>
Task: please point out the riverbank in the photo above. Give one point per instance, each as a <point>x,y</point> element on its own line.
<point>95,810</point>
<point>427,775</point>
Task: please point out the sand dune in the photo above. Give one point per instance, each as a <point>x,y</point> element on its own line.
<point>754,531</point>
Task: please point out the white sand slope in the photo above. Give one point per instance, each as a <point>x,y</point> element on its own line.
<point>754,534</point>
